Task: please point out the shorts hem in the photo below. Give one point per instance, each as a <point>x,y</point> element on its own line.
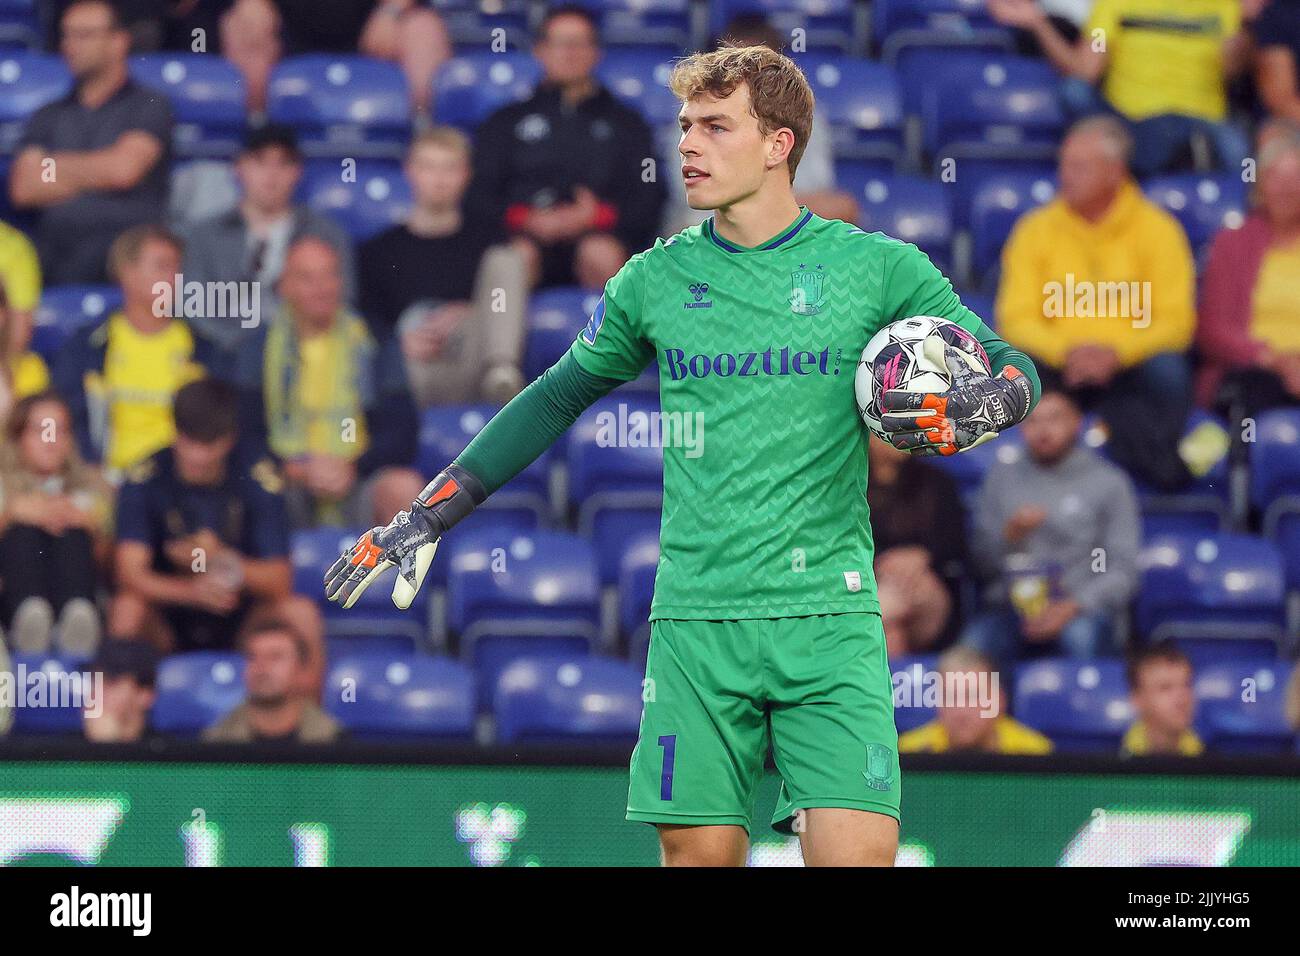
<point>782,825</point>
<point>690,819</point>
<point>731,613</point>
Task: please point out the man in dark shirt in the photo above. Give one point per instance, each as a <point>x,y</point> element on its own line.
<point>568,170</point>
<point>201,534</point>
<point>95,162</point>
<point>441,280</point>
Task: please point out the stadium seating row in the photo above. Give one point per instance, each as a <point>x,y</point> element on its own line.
<point>558,696</point>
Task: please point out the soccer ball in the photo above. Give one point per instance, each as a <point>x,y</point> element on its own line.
<point>894,359</point>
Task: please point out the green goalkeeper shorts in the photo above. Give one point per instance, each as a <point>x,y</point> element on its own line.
<point>717,693</point>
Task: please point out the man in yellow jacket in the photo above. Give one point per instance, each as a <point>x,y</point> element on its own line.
<point>1098,286</point>
<point>972,712</point>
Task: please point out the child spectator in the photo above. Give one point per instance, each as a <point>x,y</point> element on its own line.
<point>130,672</point>
<point>1160,686</point>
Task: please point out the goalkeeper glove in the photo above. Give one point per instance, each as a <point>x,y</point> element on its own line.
<point>972,411</point>
<point>409,541</point>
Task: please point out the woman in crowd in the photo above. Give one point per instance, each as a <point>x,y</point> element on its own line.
<point>54,512</point>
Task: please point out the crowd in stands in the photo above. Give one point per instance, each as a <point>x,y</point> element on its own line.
<point>162,462</point>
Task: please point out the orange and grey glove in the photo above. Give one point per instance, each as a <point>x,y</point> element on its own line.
<point>971,412</point>
<point>409,542</point>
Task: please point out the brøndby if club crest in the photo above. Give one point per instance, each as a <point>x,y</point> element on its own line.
<point>806,290</point>
<point>880,767</point>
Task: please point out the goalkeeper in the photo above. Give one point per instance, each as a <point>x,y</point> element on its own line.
<point>765,627</point>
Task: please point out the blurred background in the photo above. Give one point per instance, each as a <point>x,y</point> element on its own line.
<point>268,265</point>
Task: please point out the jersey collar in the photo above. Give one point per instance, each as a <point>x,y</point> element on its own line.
<point>790,231</point>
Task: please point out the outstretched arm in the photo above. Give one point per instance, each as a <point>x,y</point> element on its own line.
<point>514,437</point>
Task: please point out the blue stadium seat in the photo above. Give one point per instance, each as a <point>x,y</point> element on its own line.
<point>1226,586</point>
<point>636,585</point>
<point>314,550</point>
<point>1275,485</point>
<point>474,23</point>
<point>826,25</point>
<point>1081,705</point>
<point>1275,461</point>
<point>444,433</point>
<point>1203,203</point>
<point>19,25</point>
<point>905,207</point>
<point>67,682</point>
<point>981,305</point>
<point>207,97</point>
<point>863,103</point>
<point>555,317</point>
<point>536,583</point>
<point>555,697</point>
<point>471,86</point>
<point>197,689</point>
<point>382,696</point>
<point>346,646</point>
<point>996,203</point>
<point>64,309</point>
<point>660,22</point>
<point>608,469</point>
<point>27,82</point>
<point>374,196</point>
<point>909,677</point>
<point>611,531</point>
<point>342,104</point>
<point>901,28</point>
<point>1007,109</point>
<point>640,79</point>
<point>1241,708</point>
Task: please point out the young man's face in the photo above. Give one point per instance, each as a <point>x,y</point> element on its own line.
<point>88,42</point>
<point>122,719</point>
<point>201,462</point>
<point>721,140</point>
<point>1163,697</point>
<point>438,176</point>
<point>311,283</point>
<point>269,176</point>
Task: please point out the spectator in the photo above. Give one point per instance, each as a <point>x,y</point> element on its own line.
<point>274,711</point>
<point>95,162</point>
<point>577,220</point>
<point>255,33</point>
<point>248,244</point>
<point>22,371</point>
<point>1248,337</point>
<point>329,401</point>
<point>1160,686</point>
<point>54,517</point>
<point>202,533</point>
<point>972,717</point>
<point>1098,286</point>
<point>461,325</point>
<point>919,529</point>
<point>816,168</point>
<point>130,673</point>
<point>1056,533</point>
<point>1277,58</point>
<point>119,376</point>
<point>1292,701</point>
<point>1163,65</point>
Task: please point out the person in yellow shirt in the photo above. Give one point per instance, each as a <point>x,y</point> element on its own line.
<point>1098,285</point>
<point>22,371</point>
<point>119,376</point>
<point>1160,686</point>
<point>1162,65</point>
<point>972,716</point>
